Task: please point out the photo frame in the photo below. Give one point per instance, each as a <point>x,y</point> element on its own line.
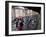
<point>15,10</point>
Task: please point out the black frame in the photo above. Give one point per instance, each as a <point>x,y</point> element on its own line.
<point>7,18</point>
